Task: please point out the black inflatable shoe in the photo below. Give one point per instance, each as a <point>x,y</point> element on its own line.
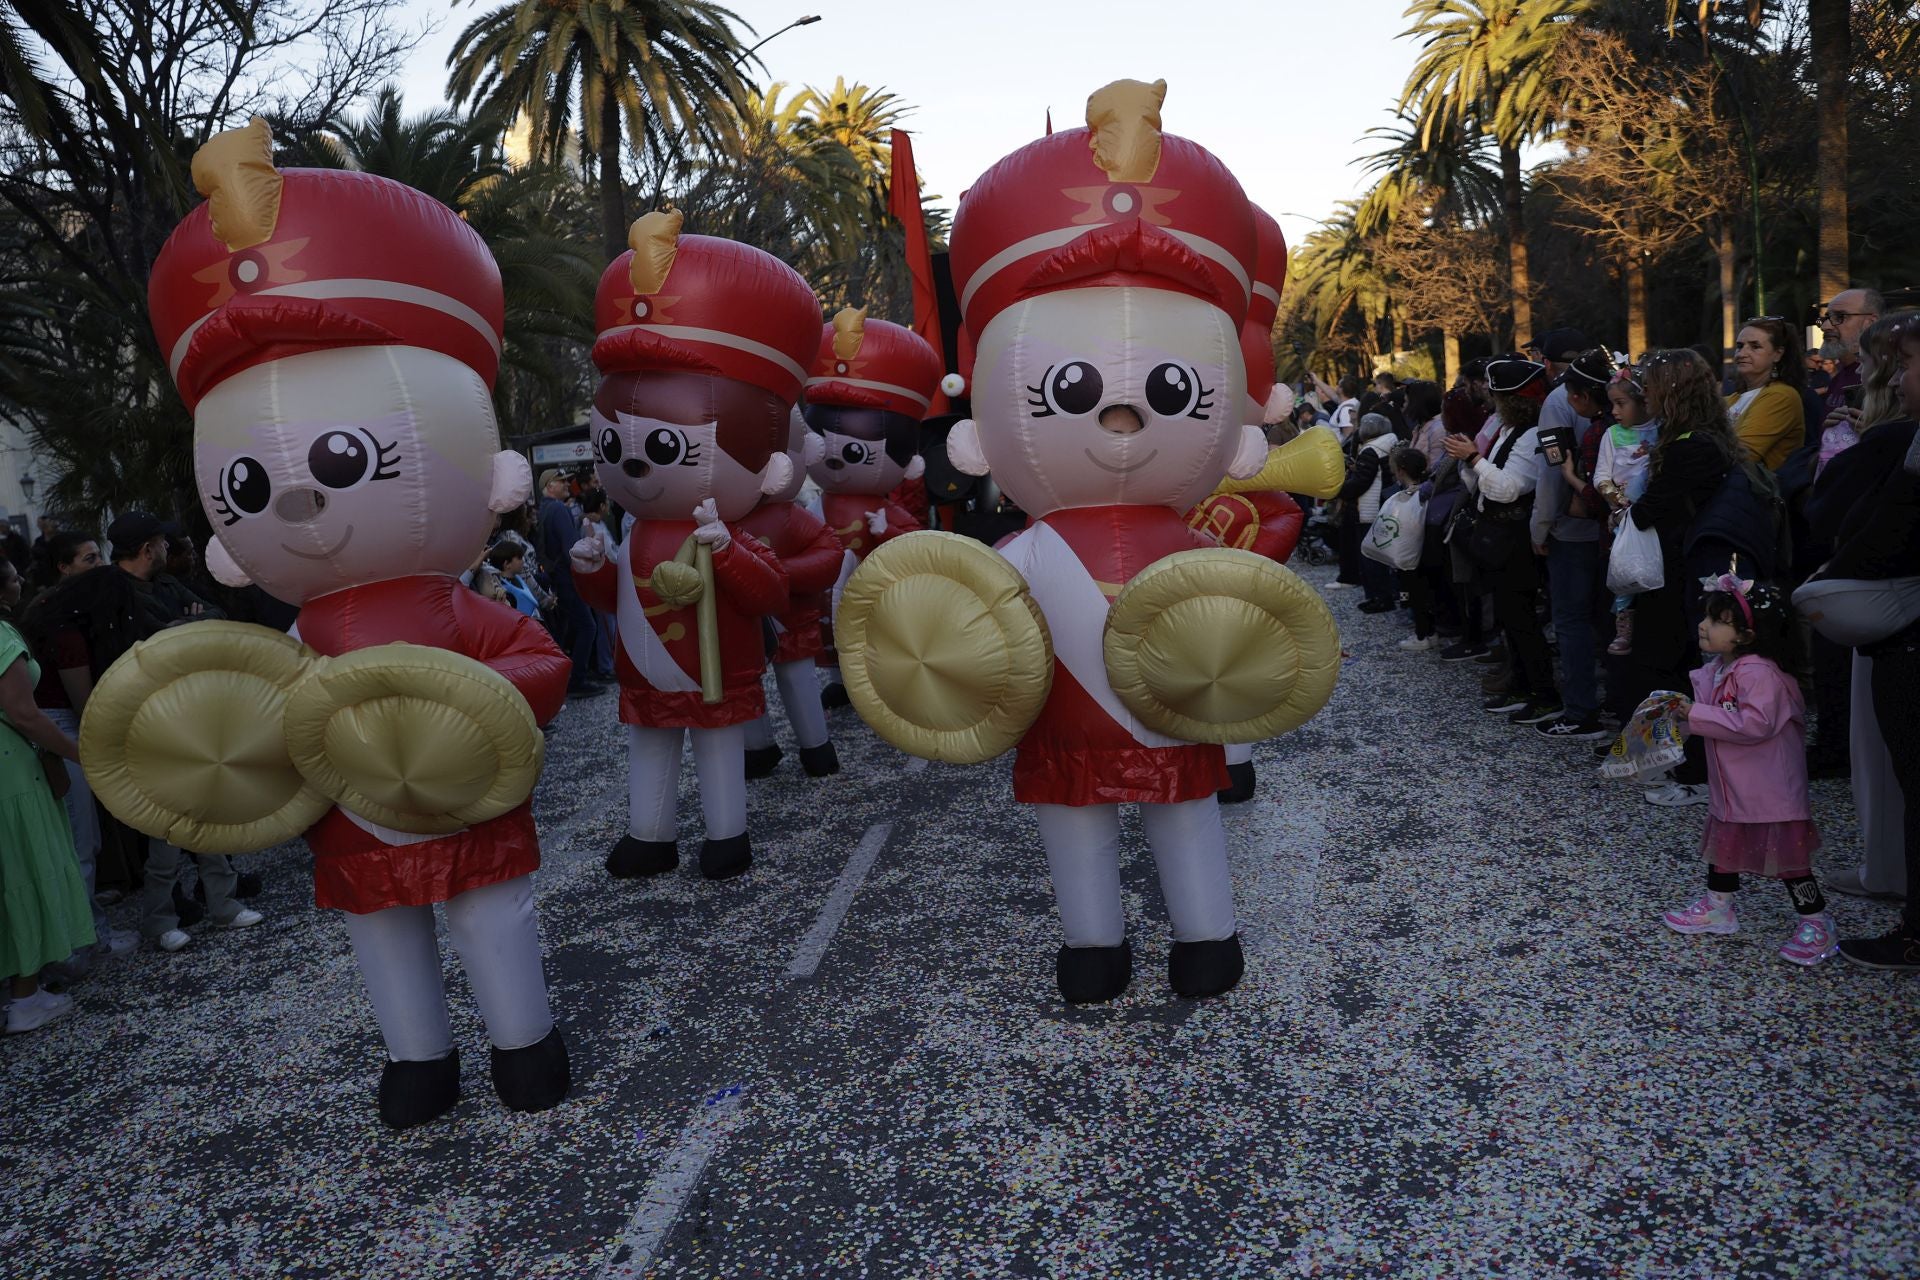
<point>819,761</point>
<point>534,1078</point>
<point>1093,975</point>
<point>1202,969</point>
<point>725,859</point>
<point>762,761</point>
<point>1241,784</point>
<point>632,859</point>
<point>835,695</point>
<point>413,1093</point>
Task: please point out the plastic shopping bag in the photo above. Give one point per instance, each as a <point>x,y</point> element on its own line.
<point>1398,531</point>
<point>1635,564</point>
<point>1653,739</point>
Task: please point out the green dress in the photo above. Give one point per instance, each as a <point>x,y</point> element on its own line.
<point>44,914</point>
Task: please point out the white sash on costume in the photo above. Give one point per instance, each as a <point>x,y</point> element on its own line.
<point>649,657</point>
<point>848,563</point>
<point>387,835</point>
<point>1076,613</point>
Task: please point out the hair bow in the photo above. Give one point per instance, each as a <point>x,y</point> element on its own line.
<point>1732,584</point>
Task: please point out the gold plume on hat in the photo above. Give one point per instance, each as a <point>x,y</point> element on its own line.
<point>849,327</point>
<point>654,239</point>
<point>1123,119</point>
<point>234,171</point>
<point>1311,463</point>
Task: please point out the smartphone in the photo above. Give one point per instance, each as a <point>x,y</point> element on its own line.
<point>1855,396</point>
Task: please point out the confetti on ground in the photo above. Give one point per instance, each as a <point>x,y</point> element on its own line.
<point>1465,1047</point>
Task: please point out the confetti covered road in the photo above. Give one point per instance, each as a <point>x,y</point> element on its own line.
<point>1465,1046</point>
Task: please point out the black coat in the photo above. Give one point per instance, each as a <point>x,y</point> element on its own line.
<point>1684,479</point>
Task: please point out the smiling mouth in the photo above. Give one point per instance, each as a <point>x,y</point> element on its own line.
<point>337,548</point>
<point>1121,471</point>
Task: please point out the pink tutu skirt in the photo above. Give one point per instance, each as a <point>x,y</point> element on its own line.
<point>1778,849</point>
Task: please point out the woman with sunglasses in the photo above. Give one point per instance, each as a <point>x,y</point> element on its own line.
<point>1768,415</point>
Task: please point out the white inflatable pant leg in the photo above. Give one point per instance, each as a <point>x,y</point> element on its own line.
<point>720,761</point>
<point>800,695</point>
<point>497,934</point>
<point>399,961</point>
<point>653,782</point>
<point>1083,857</point>
<point>759,733</point>
<point>1239,753</point>
<point>1190,849</point>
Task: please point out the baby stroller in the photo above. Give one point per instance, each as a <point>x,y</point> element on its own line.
<point>1317,536</point>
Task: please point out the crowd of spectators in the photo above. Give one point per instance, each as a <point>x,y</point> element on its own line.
<point>1540,474</point>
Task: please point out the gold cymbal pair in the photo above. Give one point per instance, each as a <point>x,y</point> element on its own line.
<point>224,737</point>
<point>946,655</point>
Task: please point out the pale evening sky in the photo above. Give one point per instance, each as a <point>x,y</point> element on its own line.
<point>1282,90</point>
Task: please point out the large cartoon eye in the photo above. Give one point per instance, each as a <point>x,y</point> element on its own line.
<point>1073,388</point>
<point>663,447</point>
<point>339,459</point>
<point>854,453</point>
<point>1173,390</point>
<point>244,489</point>
<point>609,445</point>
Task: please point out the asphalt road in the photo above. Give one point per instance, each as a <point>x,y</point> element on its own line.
<point>1465,1046</point>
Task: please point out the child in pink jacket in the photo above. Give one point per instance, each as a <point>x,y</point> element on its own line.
<point>1755,723</point>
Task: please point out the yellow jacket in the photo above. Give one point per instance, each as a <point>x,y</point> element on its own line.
<point>1774,425</point>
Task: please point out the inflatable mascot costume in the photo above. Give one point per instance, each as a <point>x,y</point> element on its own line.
<point>336,335</point>
<point>1104,275</point>
<point>811,555</point>
<point>872,382</point>
<point>703,348</point>
<point>1256,514</point>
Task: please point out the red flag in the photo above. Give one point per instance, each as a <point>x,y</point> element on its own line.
<point>904,203</point>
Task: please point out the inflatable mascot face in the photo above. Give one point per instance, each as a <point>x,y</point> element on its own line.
<point>872,383</point>
<point>336,336</point>
<point>1106,273</point>
<point>702,349</point>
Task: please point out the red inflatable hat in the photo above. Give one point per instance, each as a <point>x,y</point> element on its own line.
<point>278,262</point>
<point>873,364</point>
<point>1269,279</point>
<point>1115,203</point>
<point>706,305</point>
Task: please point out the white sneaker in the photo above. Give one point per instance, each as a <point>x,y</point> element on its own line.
<point>1414,644</point>
<point>1678,795</point>
<point>246,919</point>
<point>172,940</point>
<point>117,943</point>
<point>30,1013</point>
<point>1341,586</point>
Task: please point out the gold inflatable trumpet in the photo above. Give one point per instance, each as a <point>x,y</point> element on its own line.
<point>687,579</point>
<point>1311,463</point>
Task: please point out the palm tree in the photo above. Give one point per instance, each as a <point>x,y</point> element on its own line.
<point>1490,62</point>
<point>860,119</point>
<point>1446,179</point>
<point>1333,285</point>
<point>662,70</point>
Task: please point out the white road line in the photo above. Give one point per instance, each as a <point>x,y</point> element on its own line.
<point>813,947</point>
<point>667,1193</point>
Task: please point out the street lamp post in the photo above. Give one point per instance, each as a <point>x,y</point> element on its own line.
<point>807,21</point>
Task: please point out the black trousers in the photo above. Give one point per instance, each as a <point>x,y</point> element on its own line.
<point>1832,698</point>
<point>1347,543</point>
<point>1896,691</point>
<point>1516,594</point>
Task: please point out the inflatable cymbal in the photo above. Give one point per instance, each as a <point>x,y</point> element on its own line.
<point>942,649</point>
<point>423,740</point>
<point>182,738</point>
<point>1222,646</point>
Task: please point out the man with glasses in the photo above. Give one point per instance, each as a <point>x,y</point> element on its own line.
<point>1842,321</point>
